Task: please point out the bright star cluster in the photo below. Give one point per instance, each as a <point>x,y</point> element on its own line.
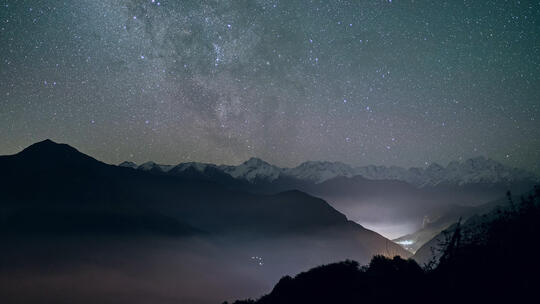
<point>364,82</point>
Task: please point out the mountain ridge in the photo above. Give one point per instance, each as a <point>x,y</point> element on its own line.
<point>477,170</point>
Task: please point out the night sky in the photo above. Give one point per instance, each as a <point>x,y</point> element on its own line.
<point>364,82</point>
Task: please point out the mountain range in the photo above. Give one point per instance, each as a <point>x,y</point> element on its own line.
<point>64,214</point>
<point>61,209</point>
<point>58,189</point>
<point>393,200</point>
<point>471,171</point>
<point>52,189</point>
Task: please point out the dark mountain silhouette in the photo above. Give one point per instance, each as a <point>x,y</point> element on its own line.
<point>53,188</point>
<point>429,210</point>
<point>492,263</point>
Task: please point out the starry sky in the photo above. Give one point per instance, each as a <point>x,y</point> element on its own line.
<point>397,82</point>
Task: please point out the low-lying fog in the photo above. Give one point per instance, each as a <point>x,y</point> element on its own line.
<point>152,270</point>
<point>382,218</point>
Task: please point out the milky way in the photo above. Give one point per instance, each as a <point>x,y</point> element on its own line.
<point>363,82</point>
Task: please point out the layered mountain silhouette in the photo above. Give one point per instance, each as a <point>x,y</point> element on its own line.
<point>52,194</point>
<point>421,200</point>
<point>51,188</point>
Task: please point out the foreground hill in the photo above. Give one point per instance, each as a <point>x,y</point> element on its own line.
<point>383,281</point>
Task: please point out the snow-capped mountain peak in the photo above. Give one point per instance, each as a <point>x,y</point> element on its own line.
<point>147,166</point>
<point>254,169</point>
<point>320,171</point>
<point>199,167</point>
<point>470,171</point>
<point>128,164</point>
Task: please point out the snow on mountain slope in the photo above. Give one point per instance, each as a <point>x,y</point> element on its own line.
<point>153,166</point>
<point>200,167</point>
<point>128,164</point>
<point>320,171</point>
<point>482,170</point>
<point>412,175</point>
<point>254,169</point>
<point>472,171</point>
